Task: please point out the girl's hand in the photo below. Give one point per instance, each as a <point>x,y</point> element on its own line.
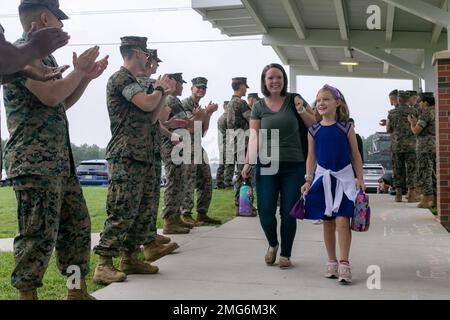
<point>360,185</point>
<point>305,188</point>
<point>246,171</point>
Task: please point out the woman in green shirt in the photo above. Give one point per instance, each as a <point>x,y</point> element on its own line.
<point>280,157</point>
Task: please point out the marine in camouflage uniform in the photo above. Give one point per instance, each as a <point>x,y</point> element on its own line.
<point>403,148</point>
<point>198,175</point>
<point>175,173</point>
<point>238,118</point>
<point>425,130</point>
<point>52,212</point>
<point>155,246</point>
<point>130,158</point>
<point>225,171</point>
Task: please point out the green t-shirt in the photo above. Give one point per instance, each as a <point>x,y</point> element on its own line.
<point>285,120</point>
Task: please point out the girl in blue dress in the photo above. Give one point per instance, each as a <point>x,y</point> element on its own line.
<point>331,188</point>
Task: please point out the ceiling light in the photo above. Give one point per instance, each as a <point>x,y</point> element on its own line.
<point>349,62</point>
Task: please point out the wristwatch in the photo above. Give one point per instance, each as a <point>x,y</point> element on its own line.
<point>159,88</point>
<point>302,110</point>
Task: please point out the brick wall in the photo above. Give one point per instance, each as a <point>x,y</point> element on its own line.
<point>442,61</point>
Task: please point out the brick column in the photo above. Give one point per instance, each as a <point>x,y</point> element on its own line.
<point>442,62</point>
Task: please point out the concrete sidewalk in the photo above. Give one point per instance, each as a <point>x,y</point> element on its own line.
<point>411,249</point>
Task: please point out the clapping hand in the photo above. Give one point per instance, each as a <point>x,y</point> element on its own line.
<point>40,72</point>
<point>85,63</point>
<point>46,40</point>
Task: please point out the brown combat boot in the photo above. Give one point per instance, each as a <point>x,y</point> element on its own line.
<point>204,219</point>
<point>80,294</point>
<point>106,273</point>
<point>426,202</point>
<point>186,221</point>
<point>171,226</point>
<point>154,251</point>
<point>160,239</point>
<point>398,195</point>
<point>130,264</point>
<point>28,295</point>
<point>434,202</point>
<point>413,196</point>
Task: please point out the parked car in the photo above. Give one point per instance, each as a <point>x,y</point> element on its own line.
<point>93,173</point>
<point>163,176</point>
<point>4,182</point>
<point>373,172</point>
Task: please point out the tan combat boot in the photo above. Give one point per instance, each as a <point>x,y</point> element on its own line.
<point>80,294</point>
<point>171,226</point>
<point>160,239</point>
<point>154,251</point>
<point>187,221</point>
<point>426,202</point>
<point>184,222</point>
<point>130,264</point>
<point>28,295</point>
<point>413,196</point>
<point>106,273</point>
<point>203,218</point>
<point>398,195</point>
<point>434,202</point>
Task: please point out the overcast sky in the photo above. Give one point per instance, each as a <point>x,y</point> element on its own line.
<point>170,31</point>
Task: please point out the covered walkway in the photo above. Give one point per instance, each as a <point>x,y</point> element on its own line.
<point>410,248</point>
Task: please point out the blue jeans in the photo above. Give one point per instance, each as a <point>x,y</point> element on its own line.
<point>286,182</point>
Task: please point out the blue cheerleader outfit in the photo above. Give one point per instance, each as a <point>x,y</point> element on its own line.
<point>333,191</point>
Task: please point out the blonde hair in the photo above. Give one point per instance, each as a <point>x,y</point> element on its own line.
<point>342,111</point>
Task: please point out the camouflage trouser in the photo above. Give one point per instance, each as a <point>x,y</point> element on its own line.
<point>129,207</point>
<point>426,173</point>
<point>174,193</point>
<point>155,200</point>
<point>224,177</point>
<point>52,214</point>
<point>404,167</point>
<point>198,177</point>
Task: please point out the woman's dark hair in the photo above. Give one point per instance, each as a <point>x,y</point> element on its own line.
<point>264,89</point>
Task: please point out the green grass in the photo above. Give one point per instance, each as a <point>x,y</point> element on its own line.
<point>222,207</point>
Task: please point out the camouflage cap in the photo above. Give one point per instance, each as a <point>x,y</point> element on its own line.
<point>154,54</point>
<point>200,82</point>
<point>132,41</point>
<point>412,93</point>
<point>393,93</point>
<point>177,77</point>
<point>253,95</point>
<point>403,94</point>
<point>427,97</point>
<point>240,80</point>
<point>52,5</point>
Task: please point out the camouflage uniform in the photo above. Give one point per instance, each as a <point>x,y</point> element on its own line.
<point>2,31</point>
<point>403,146</point>
<point>130,158</point>
<point>426,152</point>
<point>175,173</point>
<point>52,212</point>
<point>147,86</point>
<point>198,176</point>
<point>225,171</point>
<point>238,118</point>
